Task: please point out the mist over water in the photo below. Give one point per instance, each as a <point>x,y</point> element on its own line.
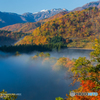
<point>34,79</point>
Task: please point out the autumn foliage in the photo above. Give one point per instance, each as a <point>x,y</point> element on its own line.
<point>78,24</point>
<point>12,35</point>
<point>30,27</point>
<point>87,72</point>
<point>88,86</point>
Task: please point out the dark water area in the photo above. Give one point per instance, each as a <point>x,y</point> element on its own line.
<point>35,80</point>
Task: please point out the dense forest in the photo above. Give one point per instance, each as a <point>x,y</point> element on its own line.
<point>82,27</point>
<point>55,43</point>
<point>24,48</point>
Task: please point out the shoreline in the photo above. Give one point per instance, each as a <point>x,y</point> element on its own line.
<point>81,48</point>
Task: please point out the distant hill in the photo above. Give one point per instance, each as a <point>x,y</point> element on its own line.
<point>22,27</point>
<point>10,18</point>
<point>13,18</point>
<point>82,25</point>
<point>55,16</point>
<point>42,14</point>
<point>29,27</point>
<point>91,4</point>
<point>8,37</point>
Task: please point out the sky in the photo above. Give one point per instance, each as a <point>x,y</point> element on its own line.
<point>32,6</point>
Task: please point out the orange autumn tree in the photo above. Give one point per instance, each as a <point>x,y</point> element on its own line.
<point>87,72</point>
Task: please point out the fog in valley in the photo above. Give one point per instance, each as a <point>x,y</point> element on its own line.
<point>36,78</point>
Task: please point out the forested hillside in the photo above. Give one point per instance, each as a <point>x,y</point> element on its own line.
<point>90,4</point>
<point>8,37</point>
<point>22,27</point>
<point>80,26</point>
<point>29,27</point>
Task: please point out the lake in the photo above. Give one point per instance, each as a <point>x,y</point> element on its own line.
<point>33,79</point>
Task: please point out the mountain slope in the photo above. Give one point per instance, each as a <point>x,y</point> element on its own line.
<point>8,37</point>
<point>91,4</point>
<point>29,27</point>
<point>22,27</point>
<point>42,14</point>
<point>74,25</point>
<point>13,18</point>
<point>9,18</point>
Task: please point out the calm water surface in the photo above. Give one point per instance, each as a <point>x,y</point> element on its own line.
<point>35,80</point>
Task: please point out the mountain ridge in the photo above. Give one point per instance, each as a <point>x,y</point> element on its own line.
<point>29,27</point>
<point>7,18</point>
<point>90,4</point>
<point>13,18</point>
<point>81,26</point>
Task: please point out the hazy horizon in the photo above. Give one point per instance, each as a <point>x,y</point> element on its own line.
<point>32,6</point>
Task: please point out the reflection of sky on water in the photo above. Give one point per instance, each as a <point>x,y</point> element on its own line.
<point>34,79</point>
